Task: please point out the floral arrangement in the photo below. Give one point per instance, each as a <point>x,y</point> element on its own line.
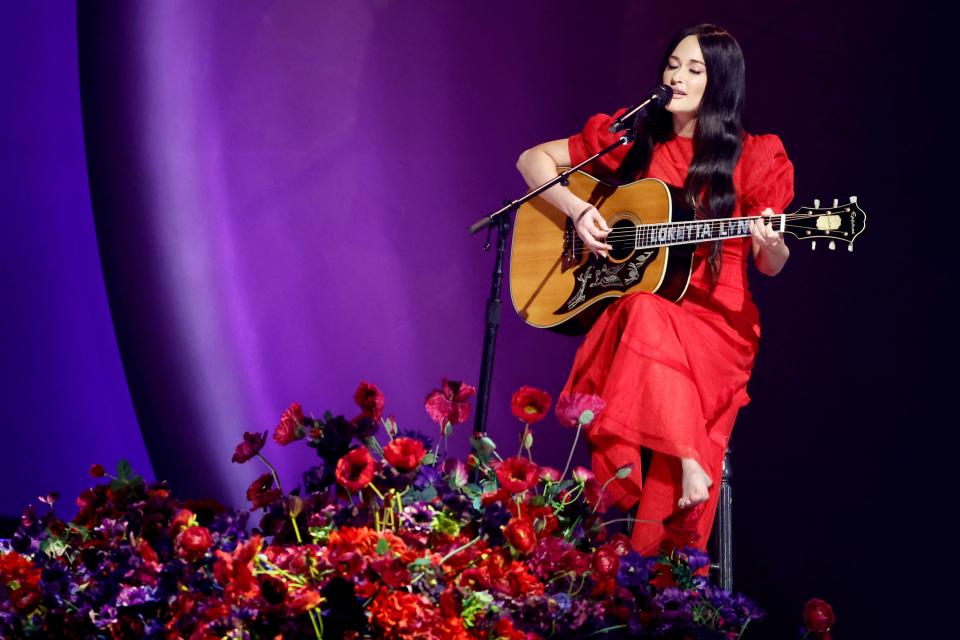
<point>385,537</point>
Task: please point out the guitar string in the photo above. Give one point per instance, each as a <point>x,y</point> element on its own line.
<point>632,234</point>
<point>630,240</point>
<point>714,224</point>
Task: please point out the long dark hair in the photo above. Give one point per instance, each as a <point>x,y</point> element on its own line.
<point>717,137</point>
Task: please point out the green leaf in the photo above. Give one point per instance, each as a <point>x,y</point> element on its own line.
<point>382,546</point>
<point>124,470</point>
<point>53,547</point>
<point>429,458</point>
<point>483,446</point>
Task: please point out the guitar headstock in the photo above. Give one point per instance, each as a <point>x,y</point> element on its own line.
<point>841,223</point>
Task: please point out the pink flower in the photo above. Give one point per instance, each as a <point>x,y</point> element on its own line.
<point>578,408</point>
<point>449,403</point>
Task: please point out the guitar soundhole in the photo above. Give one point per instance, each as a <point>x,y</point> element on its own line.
<point>623,239</point>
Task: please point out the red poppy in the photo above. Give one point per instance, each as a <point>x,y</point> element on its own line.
<point>194,542</point>
<point>291,425</point>
<point>530,404</point>
<point>260,493</point>
<point>251,446</point>
<point>234,571</point>
<point>449,403</point>
<point>516,475</point>
<point>404,453</point>
<point>818,618</point>
<point>370,400</point>
<point>520,534</point>
<point>356,469</point>
<point>572,408</point>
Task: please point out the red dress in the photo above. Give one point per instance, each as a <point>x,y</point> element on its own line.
<point>674,375</point>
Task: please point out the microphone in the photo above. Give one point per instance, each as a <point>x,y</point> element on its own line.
<point>659,98</point>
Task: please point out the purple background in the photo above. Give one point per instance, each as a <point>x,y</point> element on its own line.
<point>280,195</point>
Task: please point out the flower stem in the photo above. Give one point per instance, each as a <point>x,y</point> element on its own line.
<point>566,468</point>
<point>273,472</point>
<point>318,630</point>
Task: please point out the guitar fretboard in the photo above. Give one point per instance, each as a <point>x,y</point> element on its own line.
<point>696,231</point>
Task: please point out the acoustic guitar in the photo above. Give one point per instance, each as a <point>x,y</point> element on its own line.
<point>557,284</point>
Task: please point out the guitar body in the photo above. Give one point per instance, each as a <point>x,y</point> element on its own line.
<point>557,284</point>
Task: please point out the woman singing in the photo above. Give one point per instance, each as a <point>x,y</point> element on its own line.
<point>674,375</point>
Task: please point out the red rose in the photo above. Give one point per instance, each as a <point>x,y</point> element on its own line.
<point>194,542</point>
<point>520,534</point>
<point>404,453</point>
<point>261,493</point>
<point>818,617</point>
<point>355,470</point>
<point>605,562</point>
<point>290,427</point>
<point>449,403</point>
<point>530,404</point>
<point>516,475</point>
<point>620,544</point>
<point>572,408</point>
<point>251,446</point>
<point>370,400</point>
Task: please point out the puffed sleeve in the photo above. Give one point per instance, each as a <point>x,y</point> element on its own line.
<point>767,175</point>
<point>594,137</point>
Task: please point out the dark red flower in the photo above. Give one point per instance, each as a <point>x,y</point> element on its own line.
<point>818,617</point>
<point>370,400</point>
<point>449,403</point>
<point>273,589</point>
<point>356,469</point>
<point>571,407</point>
<point>404,453</point>
<point>261,493</point>
<point>291,425</point>
<point>620,544</point>
<point>97,471</point>
<point>20,570</point>
<point>605,562</point>
<point>195,542</point>
<point>516,475</point>
<point>251,446</point>
<point>530,404</point>
<point>520,534</point>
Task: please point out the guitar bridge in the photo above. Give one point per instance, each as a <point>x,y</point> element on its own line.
<point>571,256</point>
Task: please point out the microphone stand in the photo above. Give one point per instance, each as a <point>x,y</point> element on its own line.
<point>501,218</point>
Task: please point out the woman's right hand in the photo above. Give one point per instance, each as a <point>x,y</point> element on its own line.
<point>593,230</point>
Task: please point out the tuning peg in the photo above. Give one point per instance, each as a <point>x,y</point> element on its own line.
<point>813,245</point>
<point>832,245</point>
<point>816,203</point>
<point>836,203</point>
<point>853,199</point>
<point>850,247</point>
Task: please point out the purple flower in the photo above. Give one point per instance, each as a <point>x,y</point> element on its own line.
<point>417,517</point>
<point>634,570</point>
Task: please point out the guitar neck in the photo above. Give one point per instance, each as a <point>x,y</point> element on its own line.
<point>697,231</point>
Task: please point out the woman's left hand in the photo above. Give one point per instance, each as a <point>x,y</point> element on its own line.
<point>765,238</point>
<point>770,252</point>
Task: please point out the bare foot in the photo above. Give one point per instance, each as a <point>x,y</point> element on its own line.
<point>696,484</point>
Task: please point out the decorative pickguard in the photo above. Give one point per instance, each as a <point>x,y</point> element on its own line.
<point>597,276</point>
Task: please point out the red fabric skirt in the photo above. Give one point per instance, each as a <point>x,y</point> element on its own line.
<point>673,376</point>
